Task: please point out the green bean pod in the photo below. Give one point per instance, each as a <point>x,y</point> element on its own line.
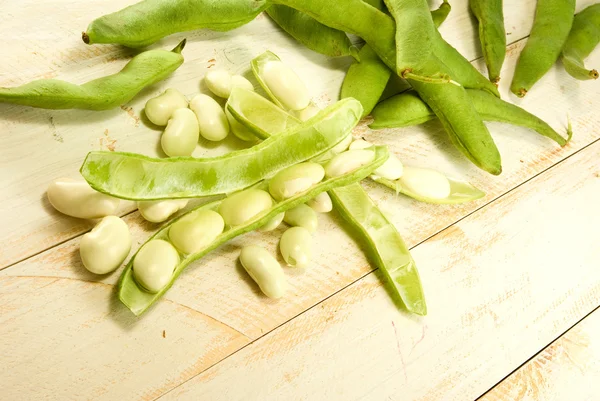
<point>408,109</point>
<point>138,177</point>
<point>583,38</point>
<point>311,33</point>
<point>104,93</point>
<point>551,27</point>
<point>385,246</point>
<point>256,113</point>
<point>440,14</point>
<point>146,22</point>
<point>492,35</point>
<point>139,300</point>
<point>460,191</point>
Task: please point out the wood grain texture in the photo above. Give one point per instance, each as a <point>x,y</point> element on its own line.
<point>568,369</point>
<point>224,308</point>
<point>496,290</point>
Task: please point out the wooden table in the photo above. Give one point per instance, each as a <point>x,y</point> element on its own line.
<point>508,278</point>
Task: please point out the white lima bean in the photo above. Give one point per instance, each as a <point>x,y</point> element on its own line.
<point>238,129</point>
<point>181,134</point>
<point>160,109</point>
<point>264,270</point>
<point>321,203</point>
<point>211,118</point>
<point>159,211</point>
<point>302,216</point>
<point>240,207</point>
<point>296,247</point>
<point>285,85</point>
<point>348,161</point>
<point>342,145</point>
<point>104,248</point>
<point>391,169</point>
<point>295,179</point>
<point>154,264</point>
<point>197,230</point>
<point>273,223</point>
<point>77,199</point>
<point>426,182</point>
<point>308,112</point>
<point>220,82</point>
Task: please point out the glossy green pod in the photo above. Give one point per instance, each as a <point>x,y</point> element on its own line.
<point>492,36</point>
<point>583,38</point>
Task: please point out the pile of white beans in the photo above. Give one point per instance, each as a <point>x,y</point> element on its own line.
<point>107,245</point>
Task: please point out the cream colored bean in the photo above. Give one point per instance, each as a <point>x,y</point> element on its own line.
<point>342,145</point>
<point>240,207</point>
<point>160,109</point>
<point>212,120</point>
<point>77,199</point>
<point>285,85</point>
<point>264,270</point>
<point>392,169</point>
<point>159,211</point>
<point>302,216</point>
<point>426,182</point>
<point>308,112</point>
<point>181,134</point>
<point>295,179</point>
<point>238,129</point>
<point>154,264</point>
<point>348,161</point>
<point>321,203</point>
<point>296,247</point>
<point>196,231</point>
<point>221,82</point>
<point>273,223</point>
<point>104,248</point>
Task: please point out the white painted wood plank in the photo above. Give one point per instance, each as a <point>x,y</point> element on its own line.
<point>568,369</point>
<point>501,282</point>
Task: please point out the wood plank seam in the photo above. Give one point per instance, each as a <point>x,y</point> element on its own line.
<point>561,335</point>
<point>374,270</point>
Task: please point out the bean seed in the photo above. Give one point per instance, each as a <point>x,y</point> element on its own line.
<point>426,182</point>
<point>159,211</point>
<point>195,231</point>
<point>321,203</point>
<point>154,264</point>
<point>348,161</point>
<point>285,85</point>
<point>308,112</point>
<point>220,82</point>
<point>264,270</point>
<point>296,247</point>
<point>212,121</point>
<point>160,109</point>
<point>77,199</point>
<point>240,207</point>
<point>295,179</point>
<point>181,134</point>
<point>302,216</point>
<point>104,248</point>
<point>273,223</point>
<point>391,169</point>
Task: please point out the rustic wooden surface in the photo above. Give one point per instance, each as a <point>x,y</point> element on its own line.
<point>504,276</point>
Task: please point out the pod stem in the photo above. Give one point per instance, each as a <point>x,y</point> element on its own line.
<point>443,79</point>
<point>569,130</point>
<point>594,74</point>
<point>85,37</point>
<point>179,47</point>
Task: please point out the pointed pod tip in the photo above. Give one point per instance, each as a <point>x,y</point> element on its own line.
<point>180,46</point>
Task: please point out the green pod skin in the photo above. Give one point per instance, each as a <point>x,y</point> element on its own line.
<point>138,177</point>
<point>138,300</point>
<point>366,80</point>
<point>583,38</point>
<point>146,22</point>
<point>311,33</point>
<point>441,13</point>
<point>492,35</point>
<point>104,93</point>
<point>551,26</point>
<point>450,102</point>
<point>408,109</point>
<point>385,246</point>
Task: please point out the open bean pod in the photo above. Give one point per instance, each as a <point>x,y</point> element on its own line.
<point>138,300</point>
